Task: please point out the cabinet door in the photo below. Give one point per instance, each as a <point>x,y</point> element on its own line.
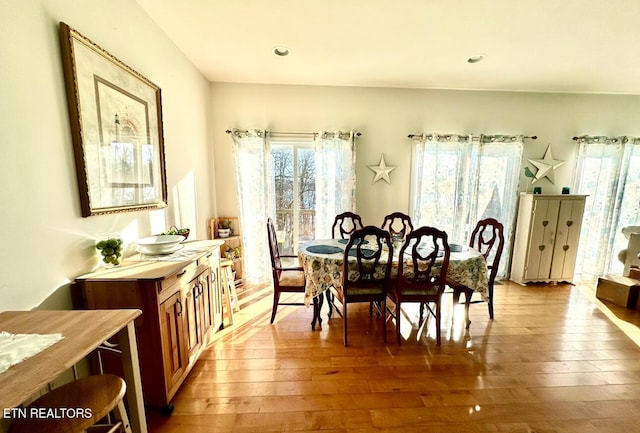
<point>171,335</point>
<point>567,235</point>
<point>215,290</point>
<point>542,238</point>
<point>191,317</point>
<point>204,304</point>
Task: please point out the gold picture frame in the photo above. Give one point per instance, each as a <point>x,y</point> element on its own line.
<point>116,127</point>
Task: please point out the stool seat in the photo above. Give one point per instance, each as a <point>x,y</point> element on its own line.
<point>74,406</point>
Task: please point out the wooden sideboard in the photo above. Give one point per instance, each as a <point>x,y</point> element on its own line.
<point>181,304</point>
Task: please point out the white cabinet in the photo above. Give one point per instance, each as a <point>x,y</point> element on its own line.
<point>547,234</point>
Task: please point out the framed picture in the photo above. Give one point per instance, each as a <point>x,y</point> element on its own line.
<point>116,127</point>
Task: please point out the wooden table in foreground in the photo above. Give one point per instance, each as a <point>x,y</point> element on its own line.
<point>83,331</point>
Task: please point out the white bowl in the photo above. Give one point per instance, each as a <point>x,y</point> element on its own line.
<point>160,244</point>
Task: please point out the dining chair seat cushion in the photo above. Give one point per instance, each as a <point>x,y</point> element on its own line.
<point>365,290</point>
<point>291,278</point>
<point>410,291</point>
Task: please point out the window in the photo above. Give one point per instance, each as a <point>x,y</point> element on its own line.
<point>607,172</point>
<point>294,173</point>
<point>302,181</point>
<point>458,180</point>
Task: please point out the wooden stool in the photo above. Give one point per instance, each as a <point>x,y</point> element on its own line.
<point>229,287</point>
<point>76,406</point>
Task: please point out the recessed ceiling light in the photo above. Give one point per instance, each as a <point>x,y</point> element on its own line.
<point>475,59</point>
<point>281,51</point>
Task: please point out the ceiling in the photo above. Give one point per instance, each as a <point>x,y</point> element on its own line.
<point>584,46</point>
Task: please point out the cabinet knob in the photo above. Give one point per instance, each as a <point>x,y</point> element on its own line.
<point>541,247</point>
<point>545,223</point>
<point>569,223</point>
<point>565,247</point>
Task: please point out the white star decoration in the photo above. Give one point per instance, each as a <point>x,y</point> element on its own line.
<point>546,166</point>
<point>382,170</point>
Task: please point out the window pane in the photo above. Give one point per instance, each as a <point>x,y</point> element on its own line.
<point>306,194</point>
<point>283,182</point>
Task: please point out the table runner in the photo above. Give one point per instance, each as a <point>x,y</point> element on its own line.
<point>15,348</point>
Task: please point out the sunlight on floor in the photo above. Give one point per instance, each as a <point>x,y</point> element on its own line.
<point>614,313</point>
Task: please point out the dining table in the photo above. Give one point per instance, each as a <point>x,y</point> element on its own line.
<point>322,261</point>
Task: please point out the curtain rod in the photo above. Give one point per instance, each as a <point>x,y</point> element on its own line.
<point>358,134</point>
<point>532,137</point>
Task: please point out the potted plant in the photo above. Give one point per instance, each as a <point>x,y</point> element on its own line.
<point>225,228</point>
<point>173,230</point>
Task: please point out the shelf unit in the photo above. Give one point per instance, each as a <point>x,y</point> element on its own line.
<point>232,245</point>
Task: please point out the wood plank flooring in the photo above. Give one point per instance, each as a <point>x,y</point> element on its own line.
<point>555,359</point>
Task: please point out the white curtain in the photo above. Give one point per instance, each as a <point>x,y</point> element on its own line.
<point>255,189</point>
<point>607,171</point>
<point>335,154</point>
<point>457,180</point>
<point>335,189</point>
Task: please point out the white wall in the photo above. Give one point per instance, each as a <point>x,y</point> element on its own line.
<point>45,241</point>
<point>386,116</point>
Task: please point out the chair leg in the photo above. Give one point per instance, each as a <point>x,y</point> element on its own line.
<point>121,415</point>
<point>276,300</point>
<point>384,318</point>
<point>438,314</point>
<point>398,314</point>
<point>332,304</point>
<point>344,320</point>
<point>490,302</point>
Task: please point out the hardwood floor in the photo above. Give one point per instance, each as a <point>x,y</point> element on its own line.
<point>553,360</point>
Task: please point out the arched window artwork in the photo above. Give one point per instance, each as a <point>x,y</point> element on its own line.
<point>131,156</point>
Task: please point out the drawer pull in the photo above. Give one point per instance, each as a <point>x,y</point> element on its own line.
<point>181,273</point>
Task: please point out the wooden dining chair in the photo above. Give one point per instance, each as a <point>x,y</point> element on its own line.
<point>366,272</point>
<point>422,272</point>
<point>345,224</point>
<point>286,279</point>
<point>91,398</point>
<point>397,223</point>
<point>488,238</point>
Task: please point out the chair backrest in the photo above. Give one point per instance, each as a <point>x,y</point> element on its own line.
<point>276,261</point>
<point>373,252</point>
<point>397,223</point>
<point>488,238</point>
<point>426,252</point>
<point>345,224</point>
